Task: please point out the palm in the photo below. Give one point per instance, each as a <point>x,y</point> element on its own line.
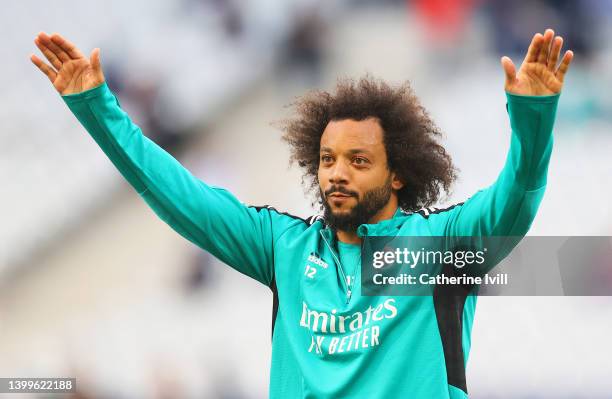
<point>539,74</point>
<point>536,78</point>
<point>71,72</point>
<point>75,76</point>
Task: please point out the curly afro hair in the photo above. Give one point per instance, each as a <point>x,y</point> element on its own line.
<point>410,136</point>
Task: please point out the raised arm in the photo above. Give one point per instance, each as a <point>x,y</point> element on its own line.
<point>508,207</point>
<point>212,218</point>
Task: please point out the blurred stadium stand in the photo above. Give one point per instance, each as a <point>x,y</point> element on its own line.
<point>52,176</point>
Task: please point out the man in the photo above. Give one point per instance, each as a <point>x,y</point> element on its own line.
<point>371,154</point>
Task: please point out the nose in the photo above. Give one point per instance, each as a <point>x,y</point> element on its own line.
<point>339,174</point>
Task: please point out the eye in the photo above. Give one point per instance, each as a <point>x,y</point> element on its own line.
<point>360,161</point>
<point>325,158</point>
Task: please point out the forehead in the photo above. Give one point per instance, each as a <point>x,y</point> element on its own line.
<point>349,133</point>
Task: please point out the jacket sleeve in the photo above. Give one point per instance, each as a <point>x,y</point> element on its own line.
<point>210,217</point>
<point>508,207</point>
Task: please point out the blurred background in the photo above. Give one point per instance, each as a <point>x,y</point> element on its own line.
<point>93,285</point>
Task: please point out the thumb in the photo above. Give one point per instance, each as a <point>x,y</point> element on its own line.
<point>509,69</point>
<point>94,60</point>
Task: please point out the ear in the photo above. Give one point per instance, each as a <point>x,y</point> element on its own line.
<point>396,183</point>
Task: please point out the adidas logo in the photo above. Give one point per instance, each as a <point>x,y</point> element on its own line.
<point>314,258</point>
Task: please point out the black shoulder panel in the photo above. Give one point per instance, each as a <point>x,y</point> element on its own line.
<point>259,208</point>
<point>425,212</point>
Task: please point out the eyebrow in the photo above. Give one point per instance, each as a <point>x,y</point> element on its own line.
<point>351,151</point>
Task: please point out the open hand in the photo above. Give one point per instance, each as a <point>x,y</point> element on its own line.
<point>539,74</point>
<point>70,71</point>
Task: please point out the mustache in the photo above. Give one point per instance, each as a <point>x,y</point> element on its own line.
<point>342,190</point>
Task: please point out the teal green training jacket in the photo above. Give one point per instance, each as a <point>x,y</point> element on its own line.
<point>329,341</point>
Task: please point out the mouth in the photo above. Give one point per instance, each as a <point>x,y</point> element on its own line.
<point>338,199</point>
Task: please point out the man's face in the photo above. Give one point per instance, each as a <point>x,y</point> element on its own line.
<point>354,178</point>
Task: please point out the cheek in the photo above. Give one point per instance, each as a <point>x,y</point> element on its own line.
<point>321,176</point>
<point>370,181</point>
<point>371,177</point>
<point>321,186</point>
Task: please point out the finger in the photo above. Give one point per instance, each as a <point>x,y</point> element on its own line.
<point>94,59</point>
<point>57,64</point>
<point>46,69</point>
<point>95,63</point>
<point>545,49</point>
<point>564,66</point>
<point>509,69</point>
<point>554,53</point>
<point>59,53</point>
<point>67,46</point>
<point>534,48</point>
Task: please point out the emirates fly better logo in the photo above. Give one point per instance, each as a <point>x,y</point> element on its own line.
<point>334,332</point>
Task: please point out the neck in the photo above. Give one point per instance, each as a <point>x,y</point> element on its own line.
<point>387,212</point>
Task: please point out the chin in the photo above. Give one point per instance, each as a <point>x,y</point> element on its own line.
<point>342,209</point>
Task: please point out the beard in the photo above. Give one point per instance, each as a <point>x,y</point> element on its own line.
<point>365,209</point>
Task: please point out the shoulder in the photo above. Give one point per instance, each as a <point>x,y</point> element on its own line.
<point>431,211</point>
<point>285,220</point>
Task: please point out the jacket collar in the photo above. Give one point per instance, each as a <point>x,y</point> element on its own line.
<point>382,228</point>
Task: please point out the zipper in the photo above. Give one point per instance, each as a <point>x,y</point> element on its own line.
<point>361,261</point>
<point>346,285</point>
<point>347,289</point>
